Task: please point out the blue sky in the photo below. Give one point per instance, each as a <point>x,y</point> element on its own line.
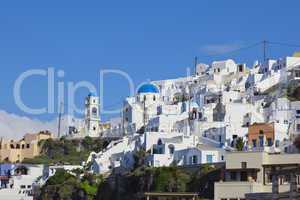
<point>146,39</point>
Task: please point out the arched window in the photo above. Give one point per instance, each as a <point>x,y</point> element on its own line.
<point>159,142</point>
<point>145,97</point>
<point>94,112</point>
<point>154,97</point>
<point>21,170</point>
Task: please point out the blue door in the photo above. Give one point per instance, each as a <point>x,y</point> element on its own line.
<point>209,158</point>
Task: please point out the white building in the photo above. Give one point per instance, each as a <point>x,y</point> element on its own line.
<point>174,118</point>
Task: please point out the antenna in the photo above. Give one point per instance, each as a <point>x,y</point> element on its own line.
<point>122,119</point>
<point>59,119</point>
<point>189,96</point>
<point>265,49</point>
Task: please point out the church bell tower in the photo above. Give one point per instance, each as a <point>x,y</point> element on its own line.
<point>92,115</point>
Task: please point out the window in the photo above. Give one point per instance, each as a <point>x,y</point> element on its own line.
<point>154,98</point>
<point>27,146</point>
<point>261,141</point>
<point>277,143</point>
<point>298,127</point>
<point>23,146</point>
<point>233,176</point>
<point>209,158</point>
<point>285,149</point>
<point>159,142</point>
<point>244,176</point>
<point>94,112</point>
<point>254,143</point>
<point>270,142</point>
<point>244,165</point>
<point>171,149</point>
<point>194,159</point>
<point>240,68</point>
<point>18,146</point>
<point>261,132</point>
<point>200,115</point>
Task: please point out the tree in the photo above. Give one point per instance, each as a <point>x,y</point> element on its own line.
<point>293,91</point>
<point>170,179</point>
<point>87,142</point>
<point>63,185</point>
<point>239,144</point>
<point>66,151</point>
<point>202,181</point>
<point>139,158</point>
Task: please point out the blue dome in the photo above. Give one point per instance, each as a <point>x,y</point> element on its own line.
<point>148,88</point>
<point>91,94</point>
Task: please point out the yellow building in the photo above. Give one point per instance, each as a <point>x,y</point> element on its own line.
<point>27,147</point>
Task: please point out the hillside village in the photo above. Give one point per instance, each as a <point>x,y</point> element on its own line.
<point>243,119</point>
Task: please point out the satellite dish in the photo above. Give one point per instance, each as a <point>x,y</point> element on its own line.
<point>296,54</point>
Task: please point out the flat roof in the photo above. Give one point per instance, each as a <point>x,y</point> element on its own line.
<point>186,194</point>
<point>281,165</point>
<point>243,169</point>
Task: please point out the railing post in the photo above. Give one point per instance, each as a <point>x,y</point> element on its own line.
<point>293,186</point>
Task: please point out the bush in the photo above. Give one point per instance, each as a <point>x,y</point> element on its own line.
<point>63,185</point>
<point>65,151</point>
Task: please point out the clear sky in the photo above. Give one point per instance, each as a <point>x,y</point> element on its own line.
<point>149,40</point>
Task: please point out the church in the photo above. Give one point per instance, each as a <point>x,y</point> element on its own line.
<point>90,125</point>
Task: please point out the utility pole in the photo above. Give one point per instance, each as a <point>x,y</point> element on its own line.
<point>59,119</point>
<point>189,96</point>
<point>122,118</point>
<point>195,64</point>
